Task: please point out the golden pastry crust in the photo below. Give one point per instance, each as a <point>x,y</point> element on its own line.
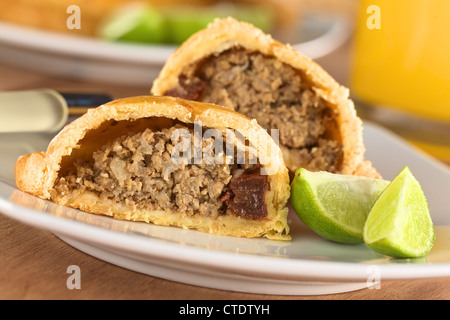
<point>37,173</point>
<point>224,34</point>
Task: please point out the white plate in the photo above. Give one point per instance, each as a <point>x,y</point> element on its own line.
<point>86,58</point>
<point>307,265</point>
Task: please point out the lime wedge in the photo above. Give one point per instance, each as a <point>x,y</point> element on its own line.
<point>183,22</point>
<point>335,206</point>
<point>143,23</point>
<point>134,22</point>
<point>399,224</point>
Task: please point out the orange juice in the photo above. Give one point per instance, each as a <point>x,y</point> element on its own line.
<point>402,56</point>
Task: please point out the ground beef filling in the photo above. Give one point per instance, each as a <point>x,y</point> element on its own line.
<point>273,93</point>
<point>138,169</point>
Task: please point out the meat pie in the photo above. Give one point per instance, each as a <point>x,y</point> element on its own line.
<point>237,66</point>
<point>168,161</point>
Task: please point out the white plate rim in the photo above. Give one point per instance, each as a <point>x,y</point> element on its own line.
<point>82,46</point>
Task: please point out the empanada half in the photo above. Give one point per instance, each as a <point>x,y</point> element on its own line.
<point>159,160</point>
<point>236,65</point>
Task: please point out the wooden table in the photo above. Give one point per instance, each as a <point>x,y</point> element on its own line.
<point>33,262</point>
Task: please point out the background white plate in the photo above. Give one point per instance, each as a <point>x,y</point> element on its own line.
<point>306,265</point>
<point>87,58</point>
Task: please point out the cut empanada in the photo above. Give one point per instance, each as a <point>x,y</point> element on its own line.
<point>168,161</point>
<point>237,66</point>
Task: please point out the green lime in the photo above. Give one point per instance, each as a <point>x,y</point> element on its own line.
<point>399,224</point>
<point>134,23</point>
<point>335,206</point>
<point>183,22</point>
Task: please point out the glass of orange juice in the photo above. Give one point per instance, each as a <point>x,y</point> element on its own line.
<point>401,69</point>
